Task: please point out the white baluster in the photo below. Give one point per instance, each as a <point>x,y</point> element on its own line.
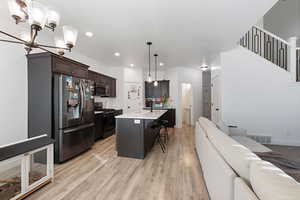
<point>293,58</point>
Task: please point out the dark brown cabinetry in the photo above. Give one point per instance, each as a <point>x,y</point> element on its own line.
<point>108,84</point>
<point>163,89</point>
<point>41,67</point>
<point>69,67</point>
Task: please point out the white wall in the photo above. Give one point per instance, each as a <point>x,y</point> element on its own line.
<point>259,96</point>
<point>13,87</point>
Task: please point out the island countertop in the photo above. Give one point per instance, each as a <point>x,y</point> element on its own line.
<point>143,114</point>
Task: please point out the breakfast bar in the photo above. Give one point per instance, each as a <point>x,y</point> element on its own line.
<point>136,132</point>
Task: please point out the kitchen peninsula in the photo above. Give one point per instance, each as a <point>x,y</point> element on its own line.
<point>136,132</point>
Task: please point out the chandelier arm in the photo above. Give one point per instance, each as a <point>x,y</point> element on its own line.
<point>34,33</point>
<point>52,47</point>
<point>11,41</point>
<point>12,36</point>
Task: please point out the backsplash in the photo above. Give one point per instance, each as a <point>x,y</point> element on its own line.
<point>108,102</point>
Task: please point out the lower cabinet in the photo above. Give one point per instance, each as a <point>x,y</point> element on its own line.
<point>99,127</point>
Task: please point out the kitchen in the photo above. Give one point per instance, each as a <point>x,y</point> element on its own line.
<point>75,103</point>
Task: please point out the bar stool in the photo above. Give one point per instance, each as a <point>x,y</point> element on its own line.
<point>157,125</point>
<point>164,125</point>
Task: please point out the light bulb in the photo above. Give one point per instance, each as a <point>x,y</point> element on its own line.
<point>70,36</point>
<point>155,83</point>
<point>61,44</point>
<point>37,14</point>
<point>16,11</point>
<point>204,67</point>
<point>149,79</point>
<point>53,18</point>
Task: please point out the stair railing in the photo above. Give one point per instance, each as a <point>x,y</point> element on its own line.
<point>268,46</point>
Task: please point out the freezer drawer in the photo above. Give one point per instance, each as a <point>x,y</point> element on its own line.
<point>75,141</point>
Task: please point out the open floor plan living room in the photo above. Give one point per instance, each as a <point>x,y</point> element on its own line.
<point>150,100</point>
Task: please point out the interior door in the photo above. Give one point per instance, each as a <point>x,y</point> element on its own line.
<point>216,99</point>
<point>133,96</point>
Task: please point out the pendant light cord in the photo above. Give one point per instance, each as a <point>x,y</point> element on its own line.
<point>155,66</point>
<point>149,59</point>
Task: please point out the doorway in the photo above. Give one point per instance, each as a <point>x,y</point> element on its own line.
<point>187,104</point>
<point>216,99</point>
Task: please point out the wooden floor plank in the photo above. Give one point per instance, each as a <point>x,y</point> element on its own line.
<point>99,174</point>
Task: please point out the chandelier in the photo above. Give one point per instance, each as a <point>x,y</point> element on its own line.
<point>39,17</point>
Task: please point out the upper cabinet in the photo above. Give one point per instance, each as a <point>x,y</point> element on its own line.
<point>105,86</point>
<point>59,65</point>
<point>163,89</point>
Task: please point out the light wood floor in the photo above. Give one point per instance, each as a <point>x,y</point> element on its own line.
<point>100,174</point>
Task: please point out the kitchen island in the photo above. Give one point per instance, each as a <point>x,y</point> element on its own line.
<point>136,132</point>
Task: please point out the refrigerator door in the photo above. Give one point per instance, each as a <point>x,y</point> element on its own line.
<point>74,141</point>
<point>88,108</point>
<point>71,102</point>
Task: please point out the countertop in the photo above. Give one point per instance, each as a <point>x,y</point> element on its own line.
<point>158,108</point>
<point>143,114</point>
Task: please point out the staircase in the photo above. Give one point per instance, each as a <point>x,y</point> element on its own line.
<point>282,53</point>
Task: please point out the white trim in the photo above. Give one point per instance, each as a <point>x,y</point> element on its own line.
<point>25,168</point>
<point>271,34</point>
<point>14,143</point>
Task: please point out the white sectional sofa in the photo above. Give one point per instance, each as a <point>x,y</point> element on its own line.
<point>232,172</point>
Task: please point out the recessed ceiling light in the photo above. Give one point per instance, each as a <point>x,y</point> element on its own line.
<point>131,65</point>
<point>117,54</point>
<point>204,67</point>
<point>161,64</point>
<point>89,34</point>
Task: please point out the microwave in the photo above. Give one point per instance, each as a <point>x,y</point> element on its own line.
<point>102,90</point>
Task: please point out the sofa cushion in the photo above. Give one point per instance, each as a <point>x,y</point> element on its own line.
<point>219,177</point>
<point>271,183</point>
<point>222,126</point>
<point>242,191</point>
<point>236,155</point>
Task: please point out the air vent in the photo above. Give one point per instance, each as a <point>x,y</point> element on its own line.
<point>261,139</point>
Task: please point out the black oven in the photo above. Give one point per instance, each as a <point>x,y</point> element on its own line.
<point>109,123</point>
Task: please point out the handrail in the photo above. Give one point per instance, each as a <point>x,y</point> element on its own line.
<point>272,35</point>
<point>268,46</point>
<point>24,146</point>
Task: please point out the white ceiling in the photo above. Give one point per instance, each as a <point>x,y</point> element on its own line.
<point>183,32</point>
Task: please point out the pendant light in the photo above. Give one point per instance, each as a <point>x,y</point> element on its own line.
<point>155,82</point>
<point>149,73</point>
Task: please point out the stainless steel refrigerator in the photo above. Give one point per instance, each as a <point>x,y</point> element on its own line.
<point>73,116</point>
